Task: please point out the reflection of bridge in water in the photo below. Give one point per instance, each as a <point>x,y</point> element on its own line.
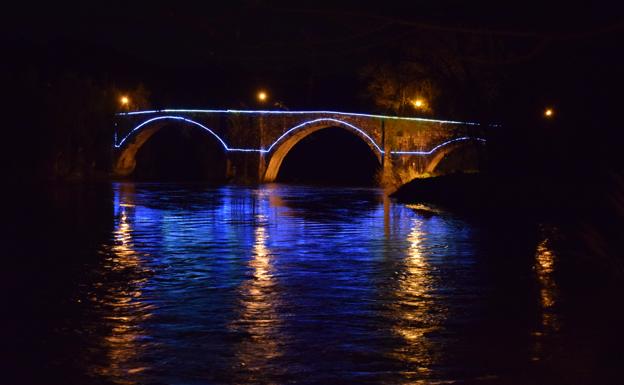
<point>256,142</point>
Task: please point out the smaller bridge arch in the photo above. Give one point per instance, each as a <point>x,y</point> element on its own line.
<point>129,145</point>
<point>282,146</point>
<point>441,151</point>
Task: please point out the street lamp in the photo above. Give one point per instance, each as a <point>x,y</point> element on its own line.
<point>262,96</point>
<point>125,101</point>
<point>549,112</point>
<point>418,103</point>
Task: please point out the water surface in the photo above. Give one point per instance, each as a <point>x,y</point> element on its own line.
<point>187,284</point>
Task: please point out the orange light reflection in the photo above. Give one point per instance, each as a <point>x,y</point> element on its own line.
<point>259,318</point>
<point>414,312</point>
<point>124,311</point>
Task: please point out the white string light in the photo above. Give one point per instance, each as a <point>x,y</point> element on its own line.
<point>273,112</point>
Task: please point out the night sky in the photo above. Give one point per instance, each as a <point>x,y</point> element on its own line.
<point>310,56</point>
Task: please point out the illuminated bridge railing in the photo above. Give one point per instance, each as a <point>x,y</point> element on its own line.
<point>174,114</point>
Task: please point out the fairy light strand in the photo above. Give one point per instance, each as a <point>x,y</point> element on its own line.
<point>288,132</point>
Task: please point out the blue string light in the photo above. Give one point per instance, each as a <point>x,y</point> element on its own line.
<point>289,131</point>
<point>118,145</point>
<point>340,122</point>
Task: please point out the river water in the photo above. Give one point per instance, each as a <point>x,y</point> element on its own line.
<point>187,284</point>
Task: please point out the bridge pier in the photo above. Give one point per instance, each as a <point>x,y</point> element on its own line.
<point>245,167</point>
<point>123,165</point>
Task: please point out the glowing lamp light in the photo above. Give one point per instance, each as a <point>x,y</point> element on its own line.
<point>262,96</point>
<point>418,103</point>
<point>124,100</point>
<point>549,113</point>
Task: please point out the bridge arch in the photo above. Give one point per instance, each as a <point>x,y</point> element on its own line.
<point>129,146</point>
<point>441,151</point>
<point>281,147</point>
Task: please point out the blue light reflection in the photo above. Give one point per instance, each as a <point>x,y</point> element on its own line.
<point>252,277</point>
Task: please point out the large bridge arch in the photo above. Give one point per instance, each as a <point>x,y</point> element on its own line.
<point>282,146</point>
<point>129,146</point>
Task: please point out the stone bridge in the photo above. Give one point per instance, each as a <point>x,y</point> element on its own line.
<point>256,142</point>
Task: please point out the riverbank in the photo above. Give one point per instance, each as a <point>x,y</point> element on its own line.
<point>485,193</point>
<point>470,192</point>
<point>590,212</point>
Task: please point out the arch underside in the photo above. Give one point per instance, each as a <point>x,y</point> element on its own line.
<point>283,147</point>
<point>126,158</point>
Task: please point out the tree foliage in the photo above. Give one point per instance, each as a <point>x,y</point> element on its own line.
<point>396,88</point>
<point>66,129</point>
<point>452,75</point>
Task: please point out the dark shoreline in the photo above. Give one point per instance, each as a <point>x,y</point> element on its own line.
<point>590,215</point>
<point>485,194</point>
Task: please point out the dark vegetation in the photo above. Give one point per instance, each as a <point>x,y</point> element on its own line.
<point>557,171</point>
<point>62,127</point>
